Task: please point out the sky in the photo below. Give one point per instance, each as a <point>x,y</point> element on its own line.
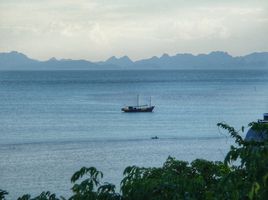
<point>98,29</point>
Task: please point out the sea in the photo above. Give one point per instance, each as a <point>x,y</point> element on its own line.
<point>52,123</point>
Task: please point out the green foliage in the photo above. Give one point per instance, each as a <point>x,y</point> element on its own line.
<point>43,196</point>
<point>91,188</point>
<point>249,178</point>
<point>243,175</point>
<point>3,193</point>
<point>175,180</point>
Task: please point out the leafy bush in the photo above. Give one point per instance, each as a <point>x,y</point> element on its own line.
<point>3,193</point>
<point>243,175</point>
<point>248,179</point>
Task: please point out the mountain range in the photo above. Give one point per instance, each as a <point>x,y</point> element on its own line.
<point>216,60</point>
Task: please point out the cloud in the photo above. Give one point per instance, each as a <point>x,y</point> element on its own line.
<point>98,29</point>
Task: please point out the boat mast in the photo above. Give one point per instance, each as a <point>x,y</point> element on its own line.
<point>150,101</point>
<point>137,100</point>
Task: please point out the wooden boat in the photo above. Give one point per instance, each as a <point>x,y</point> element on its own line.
<point>139,108</point>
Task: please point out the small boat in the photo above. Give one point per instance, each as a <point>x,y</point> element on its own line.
<point>139,108</point>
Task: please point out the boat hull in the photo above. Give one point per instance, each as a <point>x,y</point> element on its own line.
<point>135,110</point>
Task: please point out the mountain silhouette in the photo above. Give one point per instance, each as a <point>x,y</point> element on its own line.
<point>216,60</point>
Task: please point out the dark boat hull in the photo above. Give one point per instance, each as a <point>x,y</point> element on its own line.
<point>134,110</point>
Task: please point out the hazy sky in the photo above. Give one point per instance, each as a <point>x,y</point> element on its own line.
<point>97,29</point>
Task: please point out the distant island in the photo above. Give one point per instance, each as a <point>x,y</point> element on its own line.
<point>216,60</point>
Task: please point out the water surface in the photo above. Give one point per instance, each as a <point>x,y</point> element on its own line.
<point>54,122</point>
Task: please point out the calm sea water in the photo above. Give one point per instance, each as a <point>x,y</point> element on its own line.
<point>54,122</point>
